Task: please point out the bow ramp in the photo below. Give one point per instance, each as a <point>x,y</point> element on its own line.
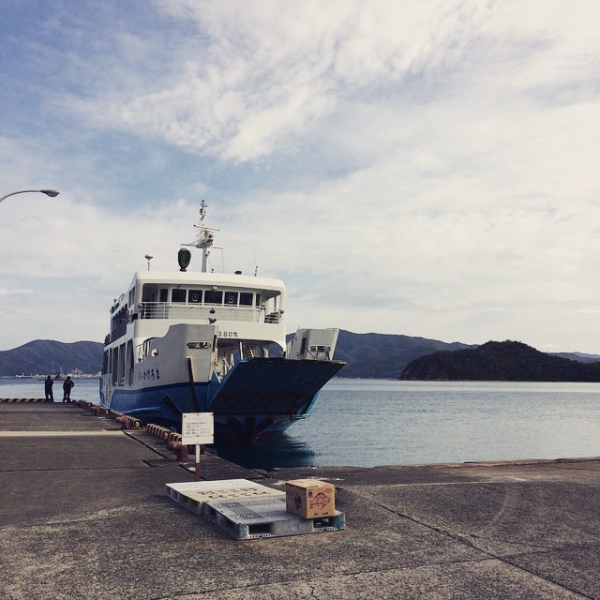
<point>272,386</point>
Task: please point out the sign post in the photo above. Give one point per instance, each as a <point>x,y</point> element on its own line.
<point>197,428</point>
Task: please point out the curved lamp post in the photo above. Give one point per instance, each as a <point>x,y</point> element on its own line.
<point>51,193</point>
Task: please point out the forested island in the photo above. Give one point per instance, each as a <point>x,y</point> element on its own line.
<point>499,361</point>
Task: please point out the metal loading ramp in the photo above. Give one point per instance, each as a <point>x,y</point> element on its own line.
<point>264,386</point>
<point>247,510</point>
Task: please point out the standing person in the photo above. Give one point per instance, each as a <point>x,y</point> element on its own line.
<point>67,386</point>
<point>48,383</point>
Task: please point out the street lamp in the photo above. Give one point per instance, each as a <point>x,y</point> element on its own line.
<point>51,193</point>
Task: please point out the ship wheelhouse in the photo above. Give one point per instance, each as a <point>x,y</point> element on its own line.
<point>247,313</point>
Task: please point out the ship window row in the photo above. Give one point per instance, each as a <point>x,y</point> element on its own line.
<point>213,297</point>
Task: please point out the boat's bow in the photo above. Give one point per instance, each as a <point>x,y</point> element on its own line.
<point>269,393</point>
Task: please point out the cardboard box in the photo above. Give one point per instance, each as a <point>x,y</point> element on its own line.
<point>310,498</point>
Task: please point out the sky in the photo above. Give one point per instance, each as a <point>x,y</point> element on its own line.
<point>428,169</point>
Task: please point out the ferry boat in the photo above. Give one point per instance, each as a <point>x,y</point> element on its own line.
<point>185,341</point>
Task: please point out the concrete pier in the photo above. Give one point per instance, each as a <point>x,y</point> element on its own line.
<point>83,514</point>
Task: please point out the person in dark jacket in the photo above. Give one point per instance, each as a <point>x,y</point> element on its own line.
<point>48,383</point>
<point>67,386</point>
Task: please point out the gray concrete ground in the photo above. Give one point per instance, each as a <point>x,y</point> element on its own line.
<point>83,514</point>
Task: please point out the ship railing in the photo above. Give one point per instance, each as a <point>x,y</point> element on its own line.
<point>204,312</point>
<point>274,317</point>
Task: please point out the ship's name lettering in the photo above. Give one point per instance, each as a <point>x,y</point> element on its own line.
<point>228,334</point>
<point>149,375</point>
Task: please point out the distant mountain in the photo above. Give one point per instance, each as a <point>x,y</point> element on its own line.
<point>579,356</point>
<point>500,361</point>
<point>47,357</point>
<point>383,356</point>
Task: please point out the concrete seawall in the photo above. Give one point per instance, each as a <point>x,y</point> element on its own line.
<point>83,514</point>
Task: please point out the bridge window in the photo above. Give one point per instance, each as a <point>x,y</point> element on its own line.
<point>149,293</point>
<point>231,298</point>
<point>178,295</point>
<point>195,296</point>
<point>245,299</point>
<point>213,297</point>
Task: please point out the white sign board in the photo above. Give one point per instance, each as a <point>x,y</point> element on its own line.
<point>197,428</point>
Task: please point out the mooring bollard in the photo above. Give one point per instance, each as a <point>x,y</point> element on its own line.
<point>125,422</point>
<point>180,449</point>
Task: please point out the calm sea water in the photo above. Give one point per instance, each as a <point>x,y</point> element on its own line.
<point>368,423</point>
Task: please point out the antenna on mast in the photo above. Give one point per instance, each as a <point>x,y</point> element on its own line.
<point>205,239</point>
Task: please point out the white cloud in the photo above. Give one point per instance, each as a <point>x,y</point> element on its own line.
<point>427,169</point>
<point>263,73</point>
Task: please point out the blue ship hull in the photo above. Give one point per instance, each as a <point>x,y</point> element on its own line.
<point>259,396</point>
